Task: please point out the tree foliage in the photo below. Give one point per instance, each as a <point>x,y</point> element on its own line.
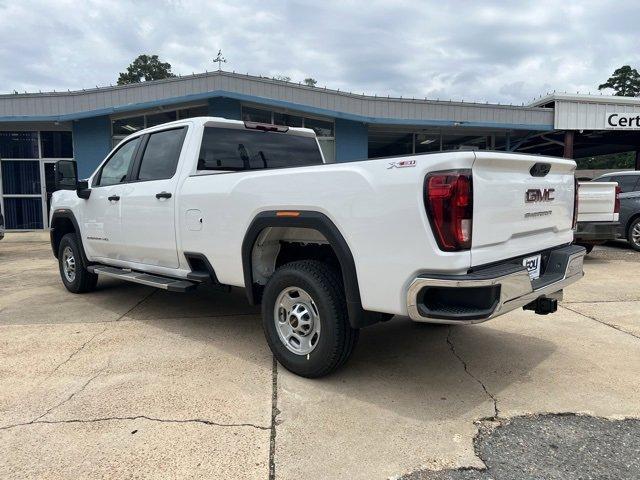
<point>310,81</point>
<point>608,161</point>
<point>145,68</point>
<point>625,81</point>
<point>282,78</point>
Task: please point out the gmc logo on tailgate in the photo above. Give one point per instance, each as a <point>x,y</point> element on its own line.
<point>539,195</point>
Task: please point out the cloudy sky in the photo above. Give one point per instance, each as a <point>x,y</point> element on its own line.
<point>490,51</point>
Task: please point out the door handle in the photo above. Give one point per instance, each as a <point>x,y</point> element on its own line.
<point>163,195</point>
<point>113,198</point>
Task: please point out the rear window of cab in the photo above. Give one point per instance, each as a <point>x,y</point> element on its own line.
<point>234,149</point>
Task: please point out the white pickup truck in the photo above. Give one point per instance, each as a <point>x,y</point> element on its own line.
<point>455,238</point>
<point>598,212</point>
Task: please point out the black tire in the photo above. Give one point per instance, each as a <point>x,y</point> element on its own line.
<point>635,226</point>
<point>336,339</point>
<point>82,280</point>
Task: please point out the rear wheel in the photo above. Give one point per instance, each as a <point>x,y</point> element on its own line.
<point>75,276</point>
<point>305,318</point>
<point>633,235</point>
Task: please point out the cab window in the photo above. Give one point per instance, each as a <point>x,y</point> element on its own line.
<point>161,154</point>
<point>116,169</point>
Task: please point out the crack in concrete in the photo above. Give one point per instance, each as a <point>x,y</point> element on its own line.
<point>74,353</point>
<point>73,394</point>
<point>496,411</point>
<point>274,413</point>
<point>142,300</point>
<point>135,417</point>
<point>600,321</point>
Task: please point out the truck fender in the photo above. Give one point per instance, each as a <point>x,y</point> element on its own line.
<point>321,223</point>
<point>61,217</point>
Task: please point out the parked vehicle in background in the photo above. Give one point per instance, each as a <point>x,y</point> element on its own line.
<point>1,224</point>
<point>629,219</point>
<point>598,211</point>
<point>327,249</point>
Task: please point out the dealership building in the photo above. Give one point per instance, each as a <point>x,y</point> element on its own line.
<point>37,129</point>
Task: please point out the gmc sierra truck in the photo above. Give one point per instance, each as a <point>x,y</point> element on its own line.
<point>327,249</point>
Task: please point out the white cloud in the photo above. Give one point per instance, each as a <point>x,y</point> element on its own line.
<point>485,51</point>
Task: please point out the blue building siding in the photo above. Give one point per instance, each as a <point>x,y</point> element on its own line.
<point>91,143</point>
<point>352,140</point>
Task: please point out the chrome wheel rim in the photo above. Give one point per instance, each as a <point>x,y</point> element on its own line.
<point>297,320</point>
<point>635,234</point>
<point>69,264</point>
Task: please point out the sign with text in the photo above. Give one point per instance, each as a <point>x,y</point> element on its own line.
<point>622,121</point>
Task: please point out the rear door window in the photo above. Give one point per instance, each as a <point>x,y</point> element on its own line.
<point>237,149</point>
<point>627,183</point>
<point>161,154</point>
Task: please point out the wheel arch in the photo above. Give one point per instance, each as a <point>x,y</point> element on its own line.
<point>319,222</point>
<point>63,221</point>
<point>632,218</point>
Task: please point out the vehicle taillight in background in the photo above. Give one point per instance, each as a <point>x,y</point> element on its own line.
<point>575,203</point>
<point>449,203</point>
<point>616,205</point>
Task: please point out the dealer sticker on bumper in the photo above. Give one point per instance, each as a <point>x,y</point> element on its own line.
<point>533,266</point>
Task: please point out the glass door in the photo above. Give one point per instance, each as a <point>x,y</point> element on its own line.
<point>48,173</point>
<point>21,194</point>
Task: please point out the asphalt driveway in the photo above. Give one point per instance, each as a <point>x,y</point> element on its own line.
<point>131,382</point>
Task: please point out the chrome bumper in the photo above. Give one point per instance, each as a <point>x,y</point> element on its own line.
<point>516,289</point>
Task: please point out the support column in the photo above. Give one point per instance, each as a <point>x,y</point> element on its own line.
<point>568,144</point>
<point>91,143</point>
<point>352,140</point>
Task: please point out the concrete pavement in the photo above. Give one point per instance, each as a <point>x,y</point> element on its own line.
<point>129,382</point>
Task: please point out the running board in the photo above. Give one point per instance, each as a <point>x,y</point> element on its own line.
<point>165,283</point>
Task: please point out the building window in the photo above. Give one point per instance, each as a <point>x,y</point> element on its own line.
<point>201,111</point>
<point>160,118</point>
<point>324,128</point>
<point>250,114</point>
<point>127,126</point>
<point>388,142</point>
<point>19,145</point>
<point>56,144</point>
<point>123,127</point>
<point>21,177</point>
<point>27,175</point>
<point>23,213</point>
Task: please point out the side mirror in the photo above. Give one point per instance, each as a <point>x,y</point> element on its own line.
<point>66,177</point>
<point>82,189</point>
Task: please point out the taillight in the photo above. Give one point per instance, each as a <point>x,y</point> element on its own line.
<point>575,203</point>
<point>449,204</point>
<point>616,205</point>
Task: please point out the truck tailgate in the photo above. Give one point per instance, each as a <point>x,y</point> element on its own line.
<point>515,212</point>
<point>596,201</point>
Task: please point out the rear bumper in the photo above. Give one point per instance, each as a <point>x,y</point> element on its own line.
<point>597,231</point>
<point>487,293</point>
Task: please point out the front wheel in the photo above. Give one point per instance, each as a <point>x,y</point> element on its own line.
<point>305,318</point>
<point>633,235</point>
<point>75,276</point>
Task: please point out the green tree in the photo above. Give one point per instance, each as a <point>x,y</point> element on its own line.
<point>145,68</point>
<point>310,81</point>
<point>282,78</point>
<point>625,81</point>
